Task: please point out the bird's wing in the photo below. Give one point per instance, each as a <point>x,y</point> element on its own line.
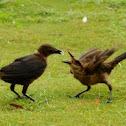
<point>87,52</point>
<point>27,66</point>
<point>88,55</point>
<point>95,58</point>
<point>103,55</point>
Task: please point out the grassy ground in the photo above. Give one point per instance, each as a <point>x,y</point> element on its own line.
<point>25,25</point>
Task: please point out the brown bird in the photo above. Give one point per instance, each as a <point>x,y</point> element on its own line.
<point>26,69</point>
<point>91,69</point>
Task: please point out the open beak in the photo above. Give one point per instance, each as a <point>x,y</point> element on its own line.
<point>70,62</point>
<point>59,52</point>
<point>71,55</point>
<point>73,59</point>
<point>67,62</point>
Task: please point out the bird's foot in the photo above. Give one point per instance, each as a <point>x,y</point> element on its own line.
<point>20,97</point>
<point>30,99</point>
<point>33,100</point>
<point>109,101</point>
<point>27,96</point>
<point>76,96</point>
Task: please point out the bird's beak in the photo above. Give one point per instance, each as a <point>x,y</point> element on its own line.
<point>73,59</point>
<point>67,62</point>
<point>71,55</point>
<point>59,52</point>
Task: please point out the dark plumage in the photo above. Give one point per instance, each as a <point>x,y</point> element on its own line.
<point>26,69</point>
<point>91,69</point>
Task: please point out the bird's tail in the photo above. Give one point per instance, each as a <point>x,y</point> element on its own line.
<point>118,59</point>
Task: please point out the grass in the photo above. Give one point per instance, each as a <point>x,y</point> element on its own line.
<point>25,25</point>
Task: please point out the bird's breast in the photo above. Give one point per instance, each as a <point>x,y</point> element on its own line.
<point>88,79</point>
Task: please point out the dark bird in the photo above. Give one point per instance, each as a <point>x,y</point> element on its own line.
<point>91,69</point>
<point>26,69</point>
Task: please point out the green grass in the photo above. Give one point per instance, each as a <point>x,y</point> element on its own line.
<point>25,25</point>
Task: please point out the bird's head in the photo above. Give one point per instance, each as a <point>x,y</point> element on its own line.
<point>74,63</point>
<point>47,50</point>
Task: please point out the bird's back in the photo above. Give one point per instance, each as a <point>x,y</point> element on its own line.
<point>93,60</point>
<point>23,70</point>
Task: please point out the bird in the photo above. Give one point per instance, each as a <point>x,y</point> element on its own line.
<point>92,68</point>
<point>25,70</point>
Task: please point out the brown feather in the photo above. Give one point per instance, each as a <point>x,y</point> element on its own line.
<point>91,68</point>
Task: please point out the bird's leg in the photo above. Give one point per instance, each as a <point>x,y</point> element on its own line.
<point>25,87</point>
<point>110,94</point>
<point>78,95</point>
<point>12,89</point>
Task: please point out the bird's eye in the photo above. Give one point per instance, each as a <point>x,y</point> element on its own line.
<point>72,61</point>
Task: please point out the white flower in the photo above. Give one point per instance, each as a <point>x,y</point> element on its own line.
<point>13,21</point>
<point>84,19</point>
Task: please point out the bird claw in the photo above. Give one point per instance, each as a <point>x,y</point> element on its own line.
<point>20,97</point>
<point>109,101</point>
<point>28,97</point>
<point>33,100</point>
<point>76,96</point>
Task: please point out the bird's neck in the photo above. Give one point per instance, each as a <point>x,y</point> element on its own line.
<point>41,56</point>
